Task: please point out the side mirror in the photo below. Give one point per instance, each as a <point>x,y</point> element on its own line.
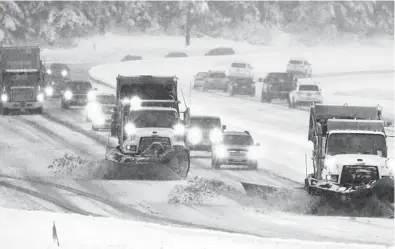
<point>257,144</point>
<point>389,123</point>
<point>223,127</point>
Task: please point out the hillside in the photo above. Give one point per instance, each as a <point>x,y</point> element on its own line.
<point>51,22</point>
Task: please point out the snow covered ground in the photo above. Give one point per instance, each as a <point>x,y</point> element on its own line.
<point>269,124</point>
<point>23,229</point>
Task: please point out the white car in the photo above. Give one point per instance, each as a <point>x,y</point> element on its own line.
<point>305,94</point>
<point>299,66</point>
<point>240,69</point>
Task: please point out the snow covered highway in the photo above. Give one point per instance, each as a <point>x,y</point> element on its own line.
<point>35,174</point>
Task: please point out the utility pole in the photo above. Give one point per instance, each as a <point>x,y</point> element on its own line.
<point>188,25</point>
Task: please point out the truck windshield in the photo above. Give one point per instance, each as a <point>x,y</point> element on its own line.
<point>14,79</point>
<point>205,123</point>
<point>283,76</point>
<point>217,75</point>
<point>356,143</point>
<point>80,87</point>
<point>237,140</point>
<point>153,118</point>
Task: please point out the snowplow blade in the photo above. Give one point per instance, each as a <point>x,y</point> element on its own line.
<point>382,189</point>
<point>172,165</point>
<point>265,191</point>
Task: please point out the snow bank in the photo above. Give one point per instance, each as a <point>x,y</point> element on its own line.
<point>22,229</point>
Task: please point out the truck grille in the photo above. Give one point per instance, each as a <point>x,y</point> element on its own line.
<point>145,142</point>
<point>236,152</point>
<point>354,175</point>
<point>22,95</point>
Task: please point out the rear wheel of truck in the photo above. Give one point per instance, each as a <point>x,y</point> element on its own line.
<point>65,105</point>
<point>230,90</point>
<point>3,110</point>
<point>39,110</point>
<point>253,166</point>
<point>215,164</point>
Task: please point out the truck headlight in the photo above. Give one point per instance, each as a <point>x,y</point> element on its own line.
<point>64,73</point>
<point>252,153</point>
<point>4,97</point>
<point>49,71</point>
<point>195,135</point>
<point>135,103</point>
<point>91,96</point>
<point>216,136</point>
<point>130,129</point>
<point>49,91</point>
<point>40,97</point>
<point>179,129</point>
<point>220,151</point>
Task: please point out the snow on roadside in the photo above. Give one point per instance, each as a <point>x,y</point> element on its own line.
<point>77,231</point>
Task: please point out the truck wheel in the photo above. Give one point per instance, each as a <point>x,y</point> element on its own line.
<point>65,105</point>
<point>215,164</point>
<point>291,104</point>
<point>113,131</point>
<point>3,110</point>
<point>94,128</point>
<point>230,90</point>
<point>39,110</point>
<point>253,166</point>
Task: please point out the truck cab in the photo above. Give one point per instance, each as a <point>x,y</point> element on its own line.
<point>350,151</point>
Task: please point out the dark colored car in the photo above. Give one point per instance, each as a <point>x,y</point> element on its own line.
<point>220,51</point>
<point>176,55</point>
<point>277,86</point>
<point>199,79</point>
<point>77,93</point>
<point>202,132</point>
<point>243,86</point>
<point>132,58</point>
<point>57,74</point>
<point>216,80</point>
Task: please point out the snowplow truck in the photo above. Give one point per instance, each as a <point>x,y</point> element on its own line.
<point>350,153</point>
<point>21,79</point>
<point>147,124</point>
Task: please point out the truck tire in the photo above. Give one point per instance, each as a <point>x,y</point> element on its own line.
<point>215,164</point>
<point>3,110</point>
<point>94,128</point>
<point>113,131</point>
<point>253,166</point>
<point>265,99</point>
<point>230,90</point>
<point>65,105</point>
<point>39,110</point>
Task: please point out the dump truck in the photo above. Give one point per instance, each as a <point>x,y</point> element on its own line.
<point>148,124</point>
<point>21,79</point>
<point>350,157</point>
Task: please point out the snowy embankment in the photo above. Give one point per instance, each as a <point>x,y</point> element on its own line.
<point>22,229</point>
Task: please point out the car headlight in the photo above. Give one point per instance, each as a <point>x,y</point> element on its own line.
<point>125,100</point>
<point>91,96</point>
<point>93,108</point>
<point>68,95</point>
<point>179,129</point>
<point>49,71</point>
<point>130,129</point>
<point>64,73</point>
<point>49,91</point>
<point>40,97</point>
<point>332,178</point>
<point>195,135</point>
<point>4,97</point>
<point>253,153</point>
<point>98,119</point>
<point>220,151</point>
<point>216,136</point>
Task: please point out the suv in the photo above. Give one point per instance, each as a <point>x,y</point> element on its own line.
<point>198,80</point>
<point>305,93</point>
<point>100,111</point>
<point>299,67</point>
<point>277,86</point>
<point>202,132</point>
<point>240,69</point>
<point>57,74</point>
<point>216,80</point>
<point>220,51</point>
<point>236,148</point>
<point>77,93</point>
<point>241,86</point>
